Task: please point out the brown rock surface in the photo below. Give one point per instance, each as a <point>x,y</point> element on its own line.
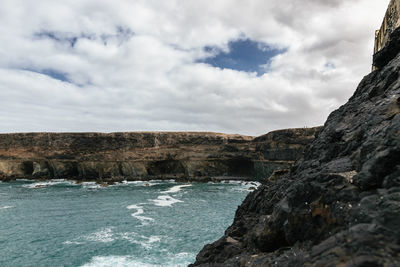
<point>149,155</point>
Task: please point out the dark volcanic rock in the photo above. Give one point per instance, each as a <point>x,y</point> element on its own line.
<point>117,156</point>
<point>340,204</point>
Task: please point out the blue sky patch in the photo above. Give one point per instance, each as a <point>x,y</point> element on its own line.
<point>244,55</point>
<point>57,37</point>
<point>51,73</point>
<point>56,75</point>
<point>330,66</point>
<point>122,34</point>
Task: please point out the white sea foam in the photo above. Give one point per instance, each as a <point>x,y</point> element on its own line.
<point>165,201</point>
<point>176,260</point>
<point>91,185</point>
<point>58,180</point>
<point>107,261</point>
<point>244,186</point>
<point>141,183</point>
<point>72,243</point>
<point>96,185</point>
<point>176,188</point>
<point>253,183</point>
<point>139,211</point>
<point>36,185</point>
<point>132,207</point>
<point>39,184</point>
<point>103,236</point>
<point>144,241</point>
<point>107,235</point>
<point>6,207</point>
<point>48,183</point>
<point>148,182</point>
<point>125,182</point>
<point>153,239</point>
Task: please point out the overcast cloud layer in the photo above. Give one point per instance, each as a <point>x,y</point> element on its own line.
<point>133,65</point>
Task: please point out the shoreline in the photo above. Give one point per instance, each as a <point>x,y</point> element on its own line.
<point>106,183</point>
<point>142,156</point>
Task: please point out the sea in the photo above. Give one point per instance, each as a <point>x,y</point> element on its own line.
<point>143,223</point>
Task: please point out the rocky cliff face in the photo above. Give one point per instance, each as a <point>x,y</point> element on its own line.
<point>340,204</point>
<point>118,156</point>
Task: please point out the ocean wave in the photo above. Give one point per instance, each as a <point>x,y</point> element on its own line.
<point>243,186</point>
<point>90,185</point>
<point>49,183</point>
<point>165,201</point>
<point>93,185</point>
<point>72,243</point>
<point>144,241</point>
<point>176,188</point>
<point>36,185</point>
<point>106,261</point>
<point>175,260</point>
<point>125,182</point>
<point>139,211</point>
<point>142,183</point>
<point>6,207</point>
<point>104,235</point>
<point>97,185</point>
<point>107,235</point>
<point>153,239</point>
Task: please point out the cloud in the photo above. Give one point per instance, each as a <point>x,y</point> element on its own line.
<point>123,65</point>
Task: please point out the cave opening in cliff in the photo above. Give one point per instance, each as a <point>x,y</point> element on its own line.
<point>241,167</point>
<point>27,167</point>
<point>72,169</point>
<point>163,167</point>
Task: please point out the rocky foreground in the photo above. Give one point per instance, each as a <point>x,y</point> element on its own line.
<point>340,204</point>
<point>132,156</point>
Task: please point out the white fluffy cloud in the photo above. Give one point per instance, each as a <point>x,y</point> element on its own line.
<point>132,65</point>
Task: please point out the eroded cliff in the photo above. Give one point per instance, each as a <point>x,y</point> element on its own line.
<point>149,155</point>
<point>340,204</point>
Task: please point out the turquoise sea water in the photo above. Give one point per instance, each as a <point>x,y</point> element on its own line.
<point>155,223</point>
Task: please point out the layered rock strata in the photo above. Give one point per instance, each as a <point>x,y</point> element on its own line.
<point>132,156</point>
<point>340,204</point>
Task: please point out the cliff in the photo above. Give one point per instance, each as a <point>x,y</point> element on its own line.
<point>149,155</point>
<point>340,204</point>
<point>390,22</point>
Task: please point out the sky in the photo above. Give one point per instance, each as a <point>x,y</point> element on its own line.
<point>231,66</point>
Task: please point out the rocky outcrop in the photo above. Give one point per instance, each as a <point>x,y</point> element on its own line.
<point>132,156</point>
<point>340,204</point>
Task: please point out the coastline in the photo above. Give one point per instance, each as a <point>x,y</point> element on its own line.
<point>106,183</point>
<point>143,156</point>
